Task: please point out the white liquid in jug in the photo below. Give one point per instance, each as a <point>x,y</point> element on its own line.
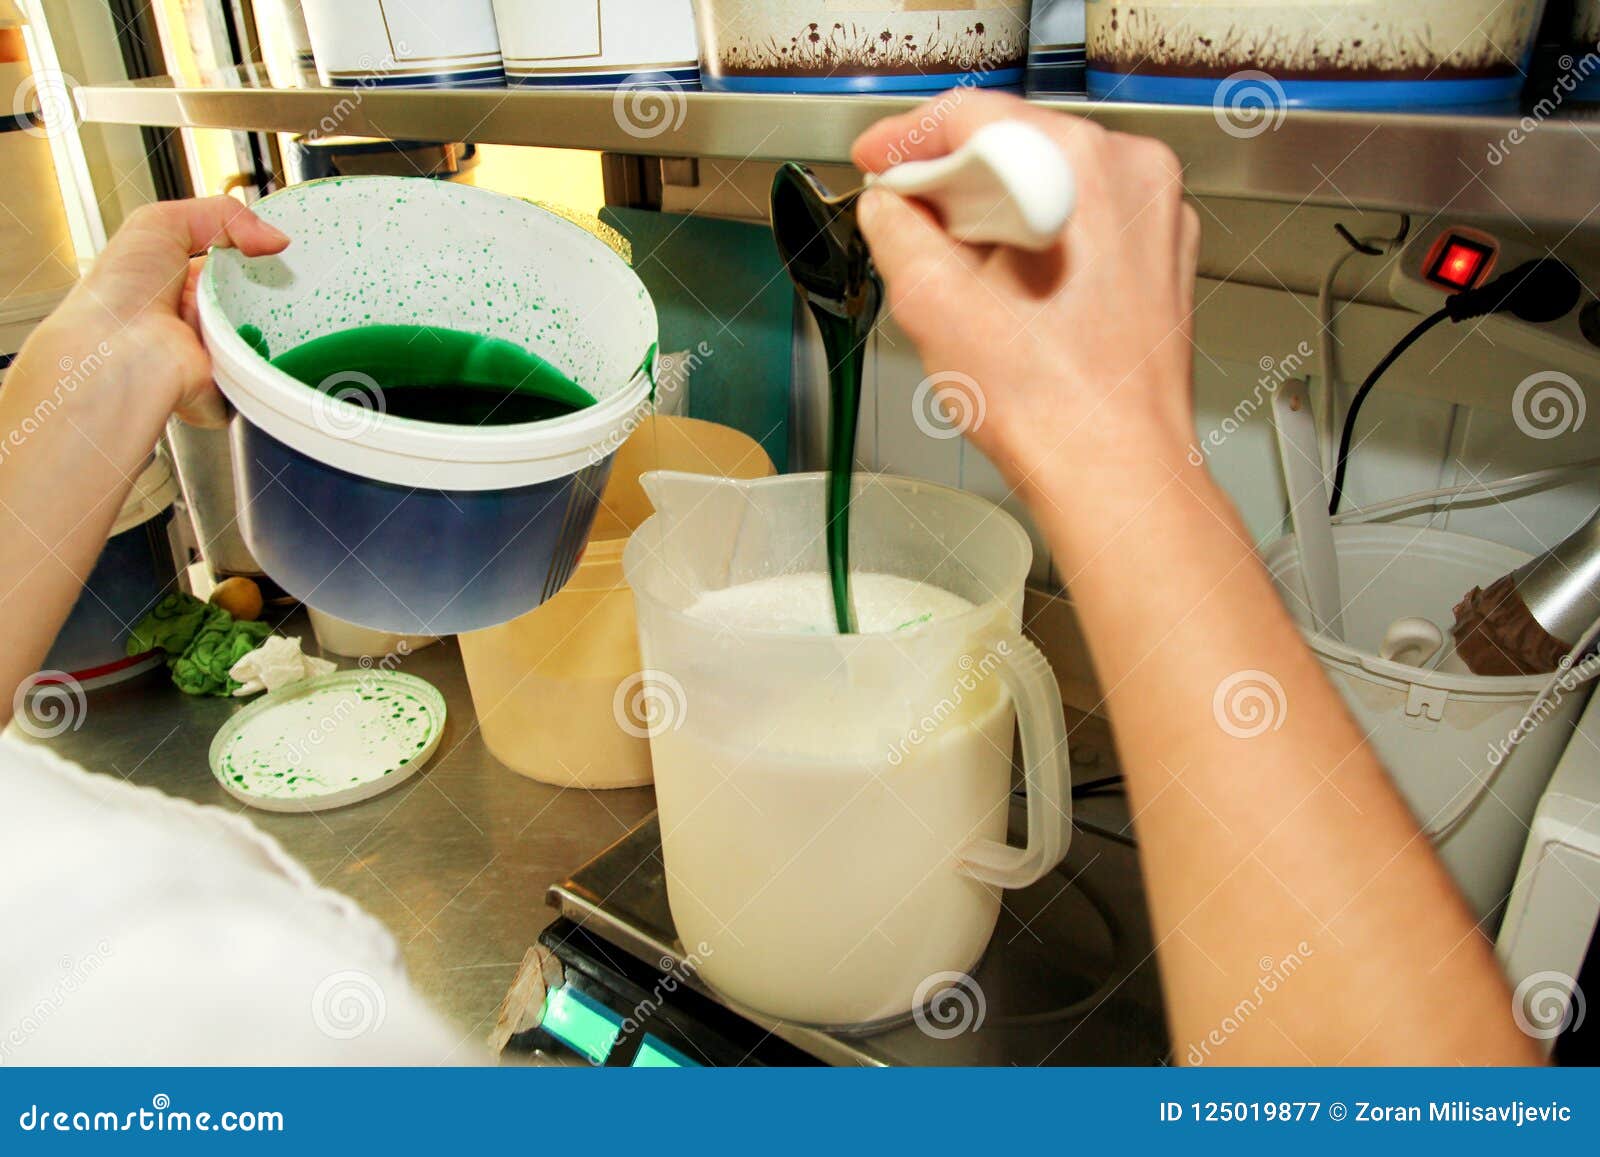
<point>812,842</point>
<point>802,604</point>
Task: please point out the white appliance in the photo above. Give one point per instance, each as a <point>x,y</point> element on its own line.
<point>1555,905</point>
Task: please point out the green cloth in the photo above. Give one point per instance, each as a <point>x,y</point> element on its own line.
<point>202,643</point>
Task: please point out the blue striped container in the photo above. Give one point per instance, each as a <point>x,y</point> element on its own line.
<point>367,44</point>
<point>419,528</point>
<point>634,44</point>
<point>1057,58</point>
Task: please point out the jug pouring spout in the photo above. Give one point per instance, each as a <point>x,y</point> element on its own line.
<point>676,494</point>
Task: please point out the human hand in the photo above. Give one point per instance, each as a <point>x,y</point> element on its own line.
<point>138,299</point>
<point>1079,355</point>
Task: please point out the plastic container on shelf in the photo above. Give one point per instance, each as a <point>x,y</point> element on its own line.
<point>1441,735</point>
<point>405,44</point>
<point>420,528</point>
<point>1056,54</point>
<point>546,686</point>
<point>134,573</point>
<point>840,46</point>
<point>599,43</point>
<point>1251,59</point>
<point>834,808</point>
<point>286,44</point>
<point>1580,66</point>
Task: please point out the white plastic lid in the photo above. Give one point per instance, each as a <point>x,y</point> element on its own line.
<point>327,742</point>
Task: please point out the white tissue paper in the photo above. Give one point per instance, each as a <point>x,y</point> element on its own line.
<point>276,663</point>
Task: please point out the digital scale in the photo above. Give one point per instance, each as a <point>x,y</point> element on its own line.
<point>1069,978</point>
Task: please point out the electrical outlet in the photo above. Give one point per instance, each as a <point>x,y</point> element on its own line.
<point>1444,259</point>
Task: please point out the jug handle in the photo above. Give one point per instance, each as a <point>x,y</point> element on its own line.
<point>1047,771</point>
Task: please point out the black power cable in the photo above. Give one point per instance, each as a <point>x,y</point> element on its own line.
<point>1348,435</point>
<point>1537,292</point>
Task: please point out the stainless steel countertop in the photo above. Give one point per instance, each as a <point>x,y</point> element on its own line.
<point>455,860</point>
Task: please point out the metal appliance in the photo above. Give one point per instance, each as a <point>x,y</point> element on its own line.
<point>1547,941</point>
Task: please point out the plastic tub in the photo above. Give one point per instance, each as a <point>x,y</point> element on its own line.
<point>599,43</point>
<point>837,46</point>
<point>546,686</point>
<point>337,637</point>
<point>409,527</point>
<point>134,573</point>
<point>1440,735</point>
<point>384,44</point>
<point>1250,60</point>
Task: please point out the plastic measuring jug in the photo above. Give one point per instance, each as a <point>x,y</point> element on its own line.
<point>834,808</point>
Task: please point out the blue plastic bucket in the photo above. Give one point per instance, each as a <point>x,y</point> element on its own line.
<point>410,527</point>
<point>135,571</point>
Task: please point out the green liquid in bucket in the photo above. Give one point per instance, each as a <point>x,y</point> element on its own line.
<point>827,257</point>
<point>432,374</point>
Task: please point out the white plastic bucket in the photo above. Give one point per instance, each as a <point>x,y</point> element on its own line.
<point>1442,736</point>
<point>405,44</point>
<point>407,527</point>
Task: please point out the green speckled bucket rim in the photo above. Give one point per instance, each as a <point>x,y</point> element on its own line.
<point>392,448</point>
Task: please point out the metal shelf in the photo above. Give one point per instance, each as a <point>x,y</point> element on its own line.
<point>1418,163</point>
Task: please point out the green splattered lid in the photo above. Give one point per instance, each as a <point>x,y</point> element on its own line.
<point>330,741</point>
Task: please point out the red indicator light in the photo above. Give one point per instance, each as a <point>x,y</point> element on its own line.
<point>1460,263</point>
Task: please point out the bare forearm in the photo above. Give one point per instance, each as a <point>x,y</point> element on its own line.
<point>74,429</point>
<point>1302,918</point>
